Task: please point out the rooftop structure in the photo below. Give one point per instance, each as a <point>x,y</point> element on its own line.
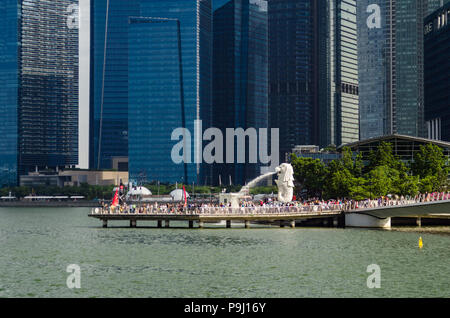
<point>404,146</point>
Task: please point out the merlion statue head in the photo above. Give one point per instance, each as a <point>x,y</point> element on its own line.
<point>285,182</point>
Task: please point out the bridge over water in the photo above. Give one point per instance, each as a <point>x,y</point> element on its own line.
<point>379,216</point>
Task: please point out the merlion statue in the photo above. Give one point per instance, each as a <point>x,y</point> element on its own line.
<point>285,182</point>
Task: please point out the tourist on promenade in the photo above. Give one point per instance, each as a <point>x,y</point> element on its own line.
<point>270,205</point>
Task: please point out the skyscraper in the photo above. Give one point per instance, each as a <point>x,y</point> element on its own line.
<point>170,53</point>
<point>109,80</point>
<point>390,53</point>
<point>313,72</point>
<point>293,72</point>
<point>240,82</point>
<point>433,5</point>
<point>437,70</point>
<point>9,91</point>
<point>39,50</point>
<point>84,78</point>
<point>338,72</point>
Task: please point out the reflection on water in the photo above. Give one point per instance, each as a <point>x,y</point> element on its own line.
<point>39,244</point>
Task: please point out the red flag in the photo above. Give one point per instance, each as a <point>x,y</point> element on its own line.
<point>185,198</point>
<point>115,201</point>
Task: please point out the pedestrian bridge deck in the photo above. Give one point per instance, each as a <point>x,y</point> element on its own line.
<point>217,214</point>
<point>273,213</point>
<point>417,209</point>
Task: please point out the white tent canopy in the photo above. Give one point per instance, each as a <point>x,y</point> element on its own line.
<point>178,195</point>
<point>139,191</point>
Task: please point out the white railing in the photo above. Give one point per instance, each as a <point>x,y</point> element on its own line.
<point>321,208</point>
<point>254,210</point>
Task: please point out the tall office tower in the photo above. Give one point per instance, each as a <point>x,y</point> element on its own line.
<point>84,66</point>
<point>170,53</point>
<point>338,69</point>
<point>109,80</point>
<point>240,81</point>
<point>433,5</point>
<point>437,70</point>
<point>293,72</point>
<point>39,104</point>
<point>9,91</point>
<point>390,56</point>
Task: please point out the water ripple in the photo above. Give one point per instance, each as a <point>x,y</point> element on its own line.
<point>38,244</point>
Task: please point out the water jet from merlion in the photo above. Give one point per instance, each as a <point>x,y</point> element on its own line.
<point>285,184</point>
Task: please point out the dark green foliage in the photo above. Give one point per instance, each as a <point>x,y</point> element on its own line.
<point>385,174</point>
<point>264,190</point>
<point>431,166</point>
<point>309,174</point>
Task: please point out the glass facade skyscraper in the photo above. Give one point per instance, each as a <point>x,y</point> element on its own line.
<point>109,80</point>
<point>240,82</point>
<point>9,90</point>
<point>313,72</point>
<point>48,98</point>
<point>433,5</point>
<point>437,72</point>
<point>170,52</point>
<point>39,102</point>
<point>338,73</point>
<point>390,52</point>
<point>373,47</point>
<point>293,72</point>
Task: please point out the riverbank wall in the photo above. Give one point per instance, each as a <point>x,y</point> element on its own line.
<point>51,204</point>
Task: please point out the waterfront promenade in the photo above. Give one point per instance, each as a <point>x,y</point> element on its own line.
<point>203,215</point>
<point>291,213</point>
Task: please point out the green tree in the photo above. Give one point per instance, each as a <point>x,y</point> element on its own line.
<point>264,190</point>
<point>384,156</point>
<point>309,174</point>
<point>344,177</point>
<point>432,167</point>
<point>379,181</point>
<point>339,184</point>
<point>406,185</point>
<point>429,184</point>
<point>359,190</point>
<point>329,148</point>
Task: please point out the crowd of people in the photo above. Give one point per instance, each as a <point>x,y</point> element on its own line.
<point>269,205</point>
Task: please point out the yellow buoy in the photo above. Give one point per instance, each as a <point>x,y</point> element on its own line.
<point>420,242</point>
